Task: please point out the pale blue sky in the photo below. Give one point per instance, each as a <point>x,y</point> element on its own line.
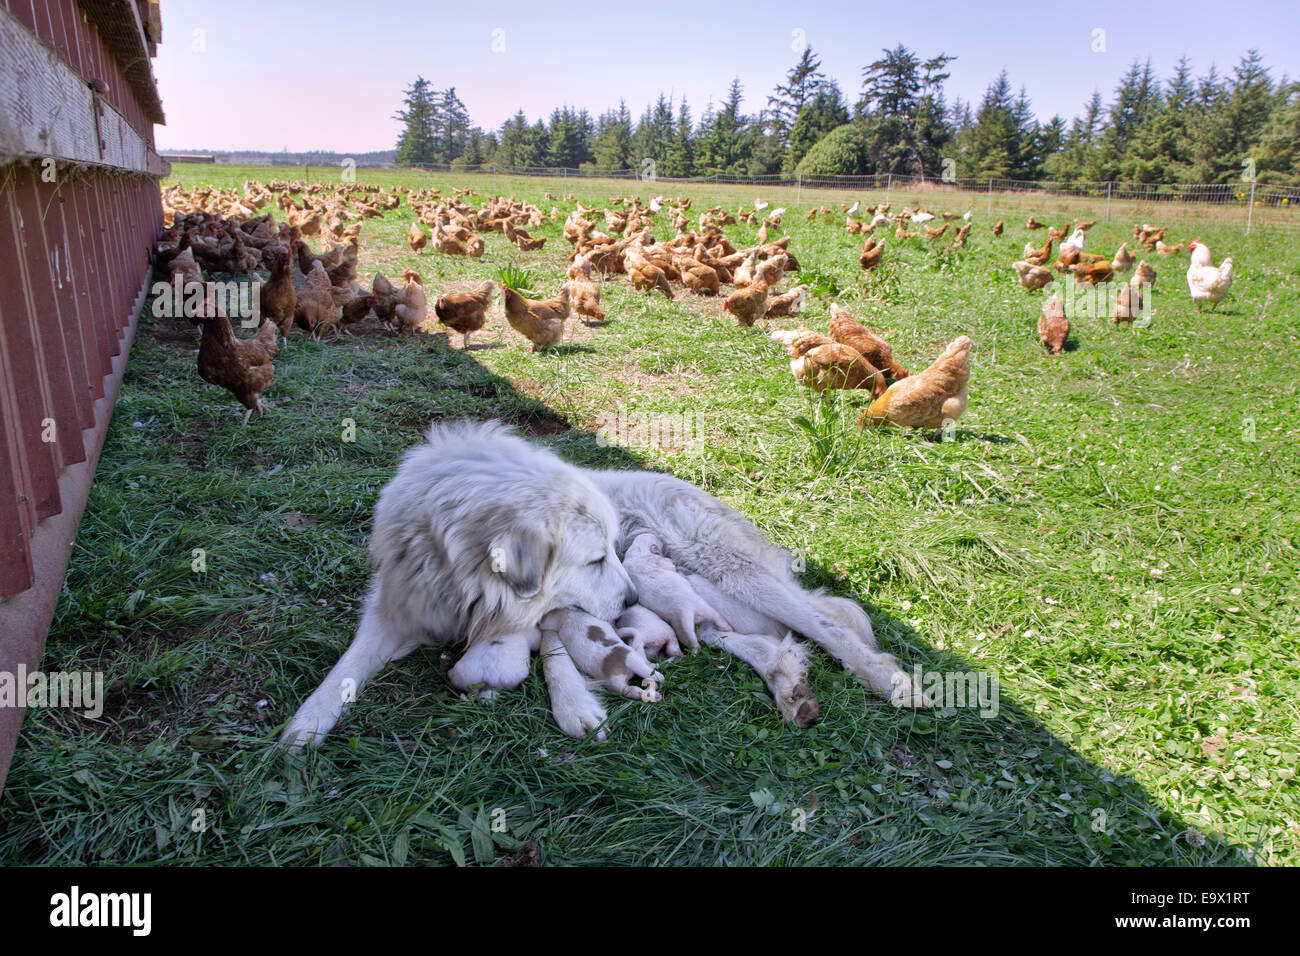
<point>329,74</point>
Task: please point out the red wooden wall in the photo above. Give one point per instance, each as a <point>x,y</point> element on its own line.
<point>74,254</point>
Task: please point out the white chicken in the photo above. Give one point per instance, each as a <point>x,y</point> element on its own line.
<point>760,205</point>
<point>854,210</point>
<point>1076,241</point>
<point>1205,281</point>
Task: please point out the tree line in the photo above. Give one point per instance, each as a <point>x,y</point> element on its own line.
<point>1204,129</point>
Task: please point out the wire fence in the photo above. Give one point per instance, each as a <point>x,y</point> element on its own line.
<point>1257,204</point>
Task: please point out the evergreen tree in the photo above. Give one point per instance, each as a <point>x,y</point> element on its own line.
<point>994,144</point>
<point>511,147</point>
<point>450,126</point>
<point>613,142</point>
<point>1278,152</point>
<point>680,160</point>
<point>825,113</point>
<point>417,142</point>
<point>802,84</point>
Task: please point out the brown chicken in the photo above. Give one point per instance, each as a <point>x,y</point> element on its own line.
<point>1037,257</point>
<point>184,265</point>
<point>999,226</point>
<point>315,308</point>
<point>1123,260</point>
<point>584,294</point>
<point>412,305</point>
<point>844,328</point>
<point>1033,223</point>
<point>771,271</point>
<point>278,300</point>
<point>1053,326</point>
<point>645,275</point>
<point>1032,277</point>
<point>355,305</point>
<point>788,304</point>
<point>386,298</point>
<point>820,364</point>
<point>749,304</point>
<point>541,321</point>
<point>417,238</point>
<point>932,233</point>
<point>466,312</point>
<point>696,276</point>
<point>1129,302</point>
<point>872,252</point>
<point>241,366</point>
<point>1092,273</point>
<point>927,399</point>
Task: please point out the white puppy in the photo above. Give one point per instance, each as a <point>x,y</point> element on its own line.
<point>666,592</point>
<point>648,632</point>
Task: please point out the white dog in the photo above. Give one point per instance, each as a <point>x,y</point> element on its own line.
<point>477,536</point>
<point>480,534</point>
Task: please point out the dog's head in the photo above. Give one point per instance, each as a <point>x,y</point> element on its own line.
<point>554,548</point>
<point>481,532</point>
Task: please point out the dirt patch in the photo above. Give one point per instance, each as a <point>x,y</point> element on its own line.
<point>174,334</point>
<point>671,383</point>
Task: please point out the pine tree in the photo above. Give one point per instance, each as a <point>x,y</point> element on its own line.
<point>825,113</point>
<point>417,143</point>
<point>1279,146</point>
<point>802,84</point>
<point>451,126</point>
<point>613,141</point>
<point>995,140</point>
<point>680,160</point>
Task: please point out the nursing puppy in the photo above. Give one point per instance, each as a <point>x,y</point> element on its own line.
<point>477,536</point>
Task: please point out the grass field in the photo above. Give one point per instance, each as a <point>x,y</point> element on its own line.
<point>1112,532</point>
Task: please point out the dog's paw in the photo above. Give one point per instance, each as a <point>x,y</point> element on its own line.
<point>307,729</point>
<point>801,708</point>
<point>579,716</point>
<point>499,663</point>
<point>905,692</point>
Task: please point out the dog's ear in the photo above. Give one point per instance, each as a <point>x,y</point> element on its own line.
<point>521,557</point>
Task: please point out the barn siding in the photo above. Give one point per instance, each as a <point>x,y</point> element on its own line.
<point>75,258</point>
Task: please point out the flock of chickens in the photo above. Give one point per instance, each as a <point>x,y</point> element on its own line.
<point>224,231</point>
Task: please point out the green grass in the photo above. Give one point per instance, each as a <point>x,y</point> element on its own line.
<point>1100,533</point>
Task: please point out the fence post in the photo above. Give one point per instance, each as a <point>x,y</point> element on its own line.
<point>888,184</point>
<point>1108,185</point>
<point>1250,210</point>
<point>798,193</point>
<point>990,197</point>
<point>566,181</point>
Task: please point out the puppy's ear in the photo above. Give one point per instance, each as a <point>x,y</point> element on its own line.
<point>521,557</point>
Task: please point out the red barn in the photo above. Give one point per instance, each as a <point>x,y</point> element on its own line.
<point>79,212</point>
